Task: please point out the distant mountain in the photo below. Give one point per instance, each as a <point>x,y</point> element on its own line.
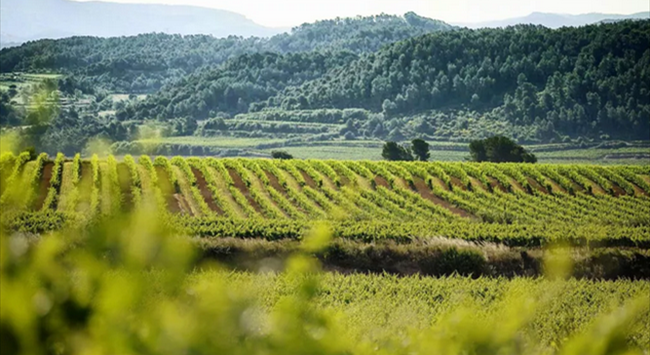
<point>26,20</point>
<point>551,20</point>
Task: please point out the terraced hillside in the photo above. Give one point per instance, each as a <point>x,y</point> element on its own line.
<point>514,204</point>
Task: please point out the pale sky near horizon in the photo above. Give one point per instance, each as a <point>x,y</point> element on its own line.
<point>289,13</point>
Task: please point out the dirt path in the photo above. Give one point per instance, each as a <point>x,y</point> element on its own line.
<point>202,185</point>
<point>275,183</point>
<point>596,189</point>
<point>310,182</point>
<point>380,181</point>
<point>456,182</point>
<point>536,185</point>
<point>516,186</point>
<point>241,186</point>
<point>424,191</point>
<point>496,185</point>
<point>555,186</point>
<point>168,191</point>
<point>618,191</point>
<point>225,193</point>
<point>477,185</point>
<point>43,186</point>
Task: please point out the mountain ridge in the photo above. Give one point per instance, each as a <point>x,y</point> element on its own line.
<point>555,20</point>
<point>28,20</point>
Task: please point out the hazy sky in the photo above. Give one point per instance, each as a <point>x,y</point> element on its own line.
<point>289,13</point>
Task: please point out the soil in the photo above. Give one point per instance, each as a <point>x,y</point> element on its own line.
<point>424,191</point>
<point>181,203</point>
<point>516,185</point>
<point>456,182</point>
<point>476,184</point>
<point>124,177</point>
<point>380,181</point>
<point>43,186</point>
<point>618,191</point>
<point>496,185</point>
<point>556,187</point>
<point>205,191</point>
<point>310,182</point>
<point>537,185</point>
<point>239,184</point>
<point>167,190</point>
<point>275,183</point>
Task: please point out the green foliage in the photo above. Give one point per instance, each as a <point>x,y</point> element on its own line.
<point>420,149</point>
<point>499,149</point>
<point>393,152</point>
<point>277,154</point>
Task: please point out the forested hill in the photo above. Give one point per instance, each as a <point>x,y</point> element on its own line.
<point>577,81</point>
<point>146,62</point>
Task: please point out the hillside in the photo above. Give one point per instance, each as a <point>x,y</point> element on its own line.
<point>30,20</point>
<point>552,20</point>
<point>533,83</point>
<point>145,62</point>
<point>426,199</point>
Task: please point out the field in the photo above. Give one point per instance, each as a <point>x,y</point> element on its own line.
<point>409,248</point>
<point>632,153</point>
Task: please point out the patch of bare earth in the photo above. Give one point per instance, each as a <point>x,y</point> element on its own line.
<point>637,190</point>
<point>241,186</point>
<point>645,178</point>
<point>43,186</point>
<point>496,185</point>
<point>380,181</point>
<point>477,185</point>
<point>275,183</point>
<point>555,186</point>
<point>310,182</point>
<point>205,191</point>
<point>596,189</point>
<point>457,183</point>
<point>516,185</point>
<point>124,178</point>
<point>424,191</point>
<point>166,188</point>
<point>618,191</point>
<point>536,185</point>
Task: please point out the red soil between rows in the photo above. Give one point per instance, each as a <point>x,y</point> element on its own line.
<point>456,182</point>
<point>275,183</point>
<point>310,182</point>
<point>536,185</point>
<point>166,188</point>
<point>205,191</point>
<point>424,191</point>
<point>496,185</point>
<point>43,186</point>
<point>381,181</point>
<point>241,186</point>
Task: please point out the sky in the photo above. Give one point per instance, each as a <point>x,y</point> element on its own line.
<point>289,13</point>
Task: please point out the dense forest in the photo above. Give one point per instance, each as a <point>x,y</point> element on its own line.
<point>575,82</point>
<point>382,77</point>
<point>144,63</point>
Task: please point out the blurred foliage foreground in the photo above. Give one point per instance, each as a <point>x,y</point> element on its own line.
<point>126,286</point>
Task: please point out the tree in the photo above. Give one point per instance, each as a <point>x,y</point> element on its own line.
<point>499,149</point>
<point>394,151</point>
<point>278,154</point>
<point>420,149</point>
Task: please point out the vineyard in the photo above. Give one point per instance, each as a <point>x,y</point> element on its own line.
<point>511,204</point>
<point>382,227</point>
